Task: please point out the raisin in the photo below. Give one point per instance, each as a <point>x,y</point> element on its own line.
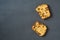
<point>38,8</point>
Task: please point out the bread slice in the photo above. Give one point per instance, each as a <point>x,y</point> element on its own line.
<point>39,28</point>
<point>43,11</point>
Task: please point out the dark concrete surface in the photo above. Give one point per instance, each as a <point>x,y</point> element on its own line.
<point>18,16</point>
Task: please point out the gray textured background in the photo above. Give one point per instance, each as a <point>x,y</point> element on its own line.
<point>17,17</point>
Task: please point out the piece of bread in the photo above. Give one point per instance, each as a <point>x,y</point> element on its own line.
<point>39,28</point>
<point>43,11</point>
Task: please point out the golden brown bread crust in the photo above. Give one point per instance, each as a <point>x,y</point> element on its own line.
<point>39,28</point>
<point>43,11</point>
